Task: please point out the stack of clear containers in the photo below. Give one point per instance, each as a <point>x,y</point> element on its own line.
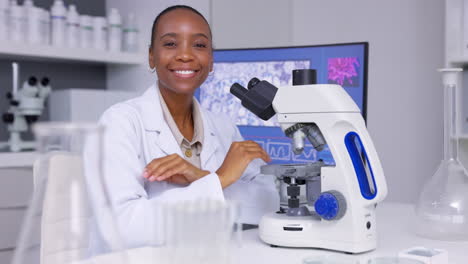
<point>69,219</point>
<point>442,208</point>
<point>201,231</point>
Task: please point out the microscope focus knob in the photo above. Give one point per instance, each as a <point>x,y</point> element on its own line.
<point>330,205</point>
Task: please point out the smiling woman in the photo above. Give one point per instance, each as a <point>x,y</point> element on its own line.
<point>163,146</point>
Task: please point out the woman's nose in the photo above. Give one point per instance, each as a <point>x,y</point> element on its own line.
<point>184,53</point>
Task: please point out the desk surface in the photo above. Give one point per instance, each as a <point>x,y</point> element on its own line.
<point>395,223</point>
<point>395,234</point>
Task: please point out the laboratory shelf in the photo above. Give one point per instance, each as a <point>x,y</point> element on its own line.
<point>459,61</point>
<point>17,159</point>
<point>19,51</point>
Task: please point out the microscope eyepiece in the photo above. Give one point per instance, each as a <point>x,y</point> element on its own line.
<point>252,83</point>
<point>258,98</point>
<point>32,81</point>
<point>304,77</point>
<point>45,81</point>
<point>238,91</point>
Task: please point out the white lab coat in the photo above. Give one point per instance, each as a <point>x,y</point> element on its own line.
<point>136,133</point>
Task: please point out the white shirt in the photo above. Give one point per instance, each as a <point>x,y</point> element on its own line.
<point>190,148</point>
<point>136,133</point>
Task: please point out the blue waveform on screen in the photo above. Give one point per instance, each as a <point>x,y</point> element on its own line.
<point>279,150</point>
<point>279,147</point>
<point>309,154</point>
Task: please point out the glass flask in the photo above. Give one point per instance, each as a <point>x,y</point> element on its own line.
<point>442,208</point>
<point>69,219</point>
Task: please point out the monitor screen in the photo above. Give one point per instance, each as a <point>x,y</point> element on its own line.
<point>343,64</point>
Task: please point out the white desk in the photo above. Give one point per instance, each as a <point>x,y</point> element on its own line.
<point>394,234</point>
<point>394,230</point>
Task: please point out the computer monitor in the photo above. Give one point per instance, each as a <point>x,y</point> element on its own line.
<point>343,64</point>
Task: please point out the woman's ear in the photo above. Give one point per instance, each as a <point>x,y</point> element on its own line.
<point>151,58</point>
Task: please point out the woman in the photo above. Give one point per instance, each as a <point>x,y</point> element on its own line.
<point>163,147</point>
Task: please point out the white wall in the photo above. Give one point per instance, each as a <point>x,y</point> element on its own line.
<point>244,23</point>
<point>406,48</point>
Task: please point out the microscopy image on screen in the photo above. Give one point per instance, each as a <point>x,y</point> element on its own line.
<point>344,71</point>
<point>343,64</point>
<point>215,95</point>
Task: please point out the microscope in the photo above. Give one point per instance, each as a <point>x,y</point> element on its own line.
<point>341,199</point>
<point>25,108</point>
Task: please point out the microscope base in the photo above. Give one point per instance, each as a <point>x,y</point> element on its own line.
<point>308,232</point>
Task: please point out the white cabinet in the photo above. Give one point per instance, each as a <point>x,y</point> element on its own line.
<point>84,105</point>
<point>16,188</point>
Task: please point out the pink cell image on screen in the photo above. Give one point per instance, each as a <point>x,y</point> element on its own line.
<point>344,71</point>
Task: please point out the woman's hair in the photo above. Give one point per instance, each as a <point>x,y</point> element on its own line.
<point>169,9</point>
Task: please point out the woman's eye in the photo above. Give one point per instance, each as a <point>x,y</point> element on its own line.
<point>169,44</point>
<point>200,45</point>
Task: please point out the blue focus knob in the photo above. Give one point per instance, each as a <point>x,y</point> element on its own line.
<point>330,205</point>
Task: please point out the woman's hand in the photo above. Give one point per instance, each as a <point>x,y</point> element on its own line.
<point>239,156</point>
<point>173,168</point>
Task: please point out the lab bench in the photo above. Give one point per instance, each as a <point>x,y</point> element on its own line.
<point>395,224</point>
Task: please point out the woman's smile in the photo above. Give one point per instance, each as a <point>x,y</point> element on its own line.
<point>184,73</point>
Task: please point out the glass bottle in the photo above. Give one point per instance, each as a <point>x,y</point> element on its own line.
<point>442,208</point>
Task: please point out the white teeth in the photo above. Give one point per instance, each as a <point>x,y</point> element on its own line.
<point>185,72</point>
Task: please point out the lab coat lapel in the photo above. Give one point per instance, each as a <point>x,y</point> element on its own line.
<point>210,144</point>
<point>155,124</point>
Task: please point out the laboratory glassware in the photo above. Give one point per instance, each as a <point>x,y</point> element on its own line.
<point>114,30</point>
<point>45,27</point>
<point>201,231</point>
<point>442,208</point>
<point>34,25</point>
<point>18,23</point>
<point>130,34</point>
<point>4,18</point>
<point>70,218</point>
<point>59,20</point>
<point>100,33</point>
<point>73,27</point>
<point>86,32</point>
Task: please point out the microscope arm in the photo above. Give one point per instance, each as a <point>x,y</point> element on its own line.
<point>376,167</point>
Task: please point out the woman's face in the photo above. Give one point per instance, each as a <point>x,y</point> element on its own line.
<point>182,53</point>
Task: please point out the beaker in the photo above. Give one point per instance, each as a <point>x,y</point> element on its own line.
<point>201,231</point>
<point>70,218</point>
<point>442,208</point>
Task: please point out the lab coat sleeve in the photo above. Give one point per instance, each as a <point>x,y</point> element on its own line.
<point>137,215</point>
<point>257,193</point>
